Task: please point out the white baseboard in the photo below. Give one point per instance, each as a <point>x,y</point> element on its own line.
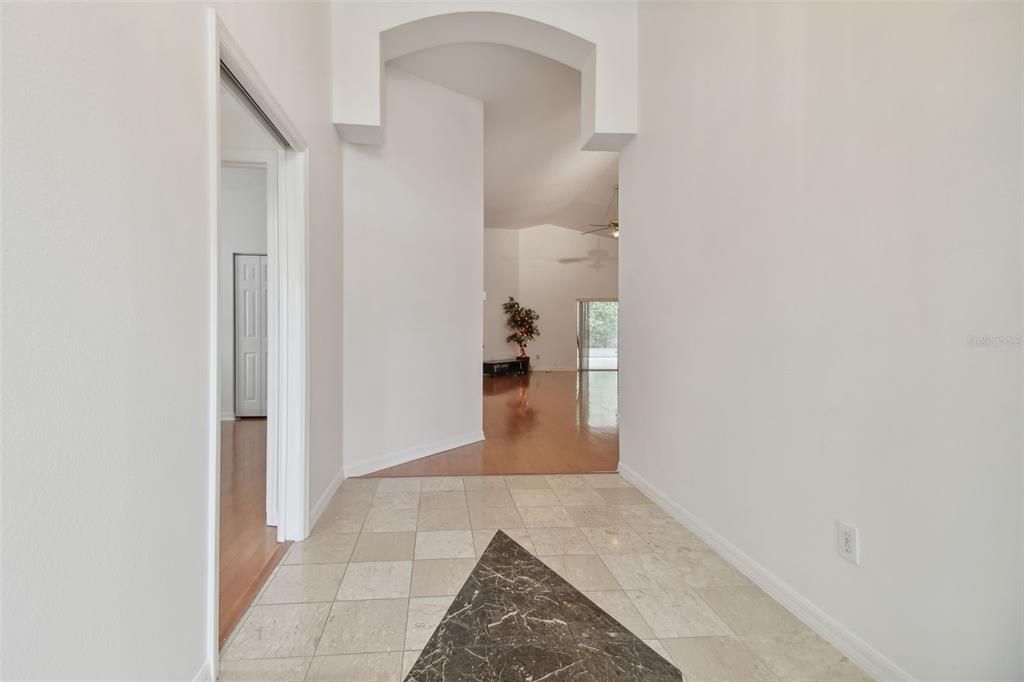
<point>205,673</point>
<point>872,661</point>
<point>569,369</point>
<point>228,416</point>
<point>325,499</point>
<point>371,464</point>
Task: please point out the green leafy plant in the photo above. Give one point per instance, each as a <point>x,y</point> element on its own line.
<point>523,323</point>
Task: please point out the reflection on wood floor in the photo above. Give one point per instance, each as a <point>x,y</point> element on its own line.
<point>249,549</point>
<point>541,423</point>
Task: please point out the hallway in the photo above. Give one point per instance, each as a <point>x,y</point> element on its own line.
<point>362,597</point>
<point>249,549</point>
<point>540,423</point>
<point>810,213</point>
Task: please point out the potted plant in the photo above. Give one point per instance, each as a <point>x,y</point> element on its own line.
<point>523,323</point>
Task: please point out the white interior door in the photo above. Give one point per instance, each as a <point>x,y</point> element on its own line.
<point>250,336</point>
<point>264,371</point>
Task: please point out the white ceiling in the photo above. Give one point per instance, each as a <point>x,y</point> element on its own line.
<point>239,127</point>
<point>534,170</point>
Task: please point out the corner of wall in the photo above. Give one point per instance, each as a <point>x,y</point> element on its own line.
<point>321,504</point>
<point>370,465</point>
<point>205,673</point>
<point>872,661</point>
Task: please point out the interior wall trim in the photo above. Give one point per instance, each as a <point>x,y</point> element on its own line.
<point>205,673</point>
<point>325,498</point>
<point>369,465</point>
<point>872,661</point>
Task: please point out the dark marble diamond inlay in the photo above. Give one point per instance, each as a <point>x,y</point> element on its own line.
<point>516,619</point>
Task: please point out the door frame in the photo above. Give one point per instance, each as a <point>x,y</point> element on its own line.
<point>271,163</point>
<point>290,245</point>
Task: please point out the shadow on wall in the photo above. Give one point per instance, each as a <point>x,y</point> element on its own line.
<point>596,258</point>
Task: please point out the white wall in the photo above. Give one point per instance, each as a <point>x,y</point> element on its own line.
<point>105,343</point>
<point>823,204</point>
<point>501,280</point>
<point>413,279</point>
<point>240,130</point>
<point>547,268</point>
<point>243,229</point>
<point>557,267</point>
<point>105,293</point>
<point>534,170</point>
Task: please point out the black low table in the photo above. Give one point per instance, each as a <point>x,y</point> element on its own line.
<point>497,368</point>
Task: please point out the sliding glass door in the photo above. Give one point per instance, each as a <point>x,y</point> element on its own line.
<point>597,337</point>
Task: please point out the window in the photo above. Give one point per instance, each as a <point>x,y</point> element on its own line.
<point>598,335</point>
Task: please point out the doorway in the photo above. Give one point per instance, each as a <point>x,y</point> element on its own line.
<point>250,541</point>
<point>597,337</point>
<point>281,513</point>
<point>259,462</point>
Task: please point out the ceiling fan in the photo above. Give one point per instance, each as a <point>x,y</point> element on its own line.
<point>613,223</point>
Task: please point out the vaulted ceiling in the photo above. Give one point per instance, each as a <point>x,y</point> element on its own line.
<point>535,172</point>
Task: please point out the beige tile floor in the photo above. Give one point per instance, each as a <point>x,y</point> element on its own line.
<point>360,598</point>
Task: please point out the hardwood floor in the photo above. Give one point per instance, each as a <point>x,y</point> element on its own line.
<point>541,423</point>
<point>249,549</point>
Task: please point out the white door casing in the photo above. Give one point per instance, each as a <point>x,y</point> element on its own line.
<point>250,335</point>
<point>287,320</point>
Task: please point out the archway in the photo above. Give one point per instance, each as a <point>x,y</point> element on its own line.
<point>602,46</point>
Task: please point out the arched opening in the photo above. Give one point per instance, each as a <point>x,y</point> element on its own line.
<point>604,52</point>
<point>498,203</point>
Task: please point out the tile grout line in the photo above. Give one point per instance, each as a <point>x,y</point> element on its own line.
<point>230,640</point>
<point>529,533</point>
<point>412,570</point>
<point>330,611</point>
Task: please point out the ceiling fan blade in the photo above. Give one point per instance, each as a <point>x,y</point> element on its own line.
<point>601,229</point>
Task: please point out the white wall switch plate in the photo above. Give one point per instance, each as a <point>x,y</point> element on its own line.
<point>848,542</point>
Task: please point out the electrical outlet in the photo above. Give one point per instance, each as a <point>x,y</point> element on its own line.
<point>848,542</point>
